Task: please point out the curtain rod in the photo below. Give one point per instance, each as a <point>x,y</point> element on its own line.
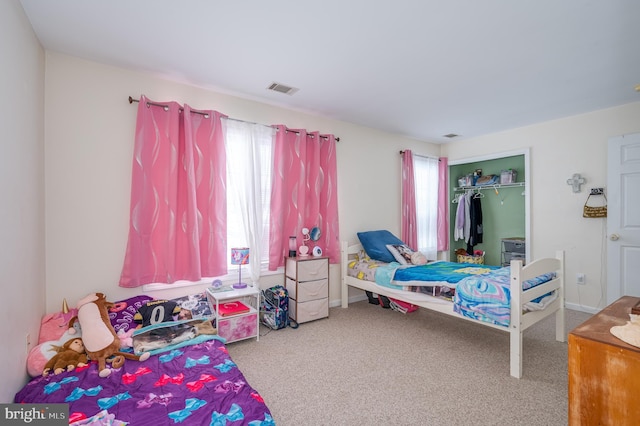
<point>166,107</point>
<point>206,115</point>
<point>423,156</point>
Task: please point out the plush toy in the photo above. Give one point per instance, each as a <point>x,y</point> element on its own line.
<point>100,339</point>
<point>53,326</point>
<point>126,338</point>
<point>53,334</point>
<point>41,354</point>
<point>70,355</point>
<point>417,258</point>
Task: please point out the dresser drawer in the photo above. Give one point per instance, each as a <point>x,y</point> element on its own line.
<point>307,270</point>
<point>308,290</point>
<point>309,311</point>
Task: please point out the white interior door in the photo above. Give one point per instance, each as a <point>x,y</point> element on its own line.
<point>623,221</point>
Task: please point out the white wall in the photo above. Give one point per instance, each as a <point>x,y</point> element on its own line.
<point>89,139</point>
<point>89,134</point>
<point>559,149</point>
<point>22,260</point>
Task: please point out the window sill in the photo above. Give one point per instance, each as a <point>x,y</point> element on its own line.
<point>230,278</point>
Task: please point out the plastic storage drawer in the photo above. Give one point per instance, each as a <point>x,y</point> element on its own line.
<point>517,246</point>
<point>508,257</point>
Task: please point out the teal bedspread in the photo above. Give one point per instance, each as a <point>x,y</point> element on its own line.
<point>397,276</point>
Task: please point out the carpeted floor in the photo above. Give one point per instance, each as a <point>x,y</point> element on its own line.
<point>367,365</point>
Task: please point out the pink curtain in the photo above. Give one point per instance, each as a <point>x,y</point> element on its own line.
<point>178,207</point>
<point>443,204</point>
<point>304,193</point>
<point>409,226</point>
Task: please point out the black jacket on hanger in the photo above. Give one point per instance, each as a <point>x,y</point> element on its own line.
<point>475,217</point>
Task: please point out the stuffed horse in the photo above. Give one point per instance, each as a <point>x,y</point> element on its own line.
<point>100,340</point>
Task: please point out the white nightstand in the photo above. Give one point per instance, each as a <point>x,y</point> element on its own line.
<point>239,326</point>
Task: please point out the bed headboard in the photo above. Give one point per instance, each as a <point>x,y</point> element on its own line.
<point>354,249</point>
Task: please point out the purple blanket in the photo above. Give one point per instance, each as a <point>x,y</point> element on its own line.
<point>194,385</point>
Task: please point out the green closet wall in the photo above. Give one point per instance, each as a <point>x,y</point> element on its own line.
<point>503,215</point>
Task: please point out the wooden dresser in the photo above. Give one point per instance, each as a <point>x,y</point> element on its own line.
<point>604,371</point>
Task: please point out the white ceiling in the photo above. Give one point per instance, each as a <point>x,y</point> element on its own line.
<point>418,68</point>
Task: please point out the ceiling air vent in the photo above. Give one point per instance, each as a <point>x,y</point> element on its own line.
<point>281,88</point>
<point>451,135</point>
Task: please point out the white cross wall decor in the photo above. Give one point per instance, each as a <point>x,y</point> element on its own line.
<point>575,181</point>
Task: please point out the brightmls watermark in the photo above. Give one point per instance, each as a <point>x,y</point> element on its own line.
<point>34,414</point>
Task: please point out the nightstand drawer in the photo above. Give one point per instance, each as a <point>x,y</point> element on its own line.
<point>308,270</point>
<point>309,311</point>
<point>308,290</point>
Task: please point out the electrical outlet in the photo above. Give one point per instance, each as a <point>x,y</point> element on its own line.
<point>597,191</point>
<point>580,278</point>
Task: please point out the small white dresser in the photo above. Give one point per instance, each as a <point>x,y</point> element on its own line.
<point>307,281</point>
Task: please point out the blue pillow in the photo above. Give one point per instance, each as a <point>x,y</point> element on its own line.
<point>375,244</point>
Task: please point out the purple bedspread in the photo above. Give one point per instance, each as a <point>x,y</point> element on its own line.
<point>193,385</point>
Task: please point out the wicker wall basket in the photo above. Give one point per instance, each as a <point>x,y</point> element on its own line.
<point>590,211</point>
<point>465,258</point>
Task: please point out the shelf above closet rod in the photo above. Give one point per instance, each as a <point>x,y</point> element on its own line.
<point>483,187</point>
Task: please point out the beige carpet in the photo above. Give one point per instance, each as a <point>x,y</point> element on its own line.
<point>366,365</point>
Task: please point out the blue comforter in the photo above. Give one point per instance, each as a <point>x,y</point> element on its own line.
<point>400,277</point>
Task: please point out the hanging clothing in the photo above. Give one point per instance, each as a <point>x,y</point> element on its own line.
<point>467,216</point>
<point>478,225</point>
<point>458,232</point>
<point>475,219</point>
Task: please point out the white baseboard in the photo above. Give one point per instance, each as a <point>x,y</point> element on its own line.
<point>581,308</point>
<point>353,299</point>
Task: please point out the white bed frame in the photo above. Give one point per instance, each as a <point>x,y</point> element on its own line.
<point>519,321</point>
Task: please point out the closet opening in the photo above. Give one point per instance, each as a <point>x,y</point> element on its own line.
<point>497,185</point>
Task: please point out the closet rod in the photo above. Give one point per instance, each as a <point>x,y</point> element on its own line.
<point>132,100</point>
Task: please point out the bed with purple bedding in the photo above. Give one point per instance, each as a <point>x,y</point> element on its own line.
<point>196,384</point>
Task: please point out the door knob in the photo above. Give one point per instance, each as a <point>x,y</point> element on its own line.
<point>614,237</point>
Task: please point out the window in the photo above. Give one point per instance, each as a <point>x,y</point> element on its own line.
<point>425,172</point>
<point>249,150</point>
<point>202,184</point>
